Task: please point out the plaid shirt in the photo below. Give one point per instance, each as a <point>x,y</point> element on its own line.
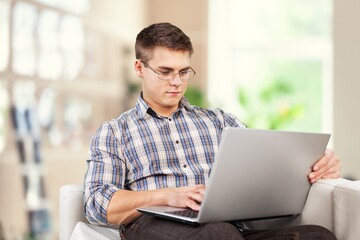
<point>141,150</point>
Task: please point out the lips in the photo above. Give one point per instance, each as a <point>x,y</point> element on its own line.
<point>173,92</point>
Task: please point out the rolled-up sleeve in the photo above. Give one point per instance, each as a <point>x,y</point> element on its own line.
<point>105,173</point>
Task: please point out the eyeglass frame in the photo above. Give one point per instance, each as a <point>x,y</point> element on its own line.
<point>172,75</point>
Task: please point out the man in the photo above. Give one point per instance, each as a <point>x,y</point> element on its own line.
<point>160,152</point>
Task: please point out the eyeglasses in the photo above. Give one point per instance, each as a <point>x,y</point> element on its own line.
<point>185,74</point>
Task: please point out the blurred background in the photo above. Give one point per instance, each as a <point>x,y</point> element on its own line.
<point>66,66</point>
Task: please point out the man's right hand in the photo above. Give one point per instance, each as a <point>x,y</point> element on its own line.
<point>187,197</point>
<point>123,204</point>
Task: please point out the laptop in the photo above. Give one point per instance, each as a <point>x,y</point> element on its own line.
<point>257,174</point>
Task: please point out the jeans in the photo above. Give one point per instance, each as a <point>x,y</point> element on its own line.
<point>147,227</point>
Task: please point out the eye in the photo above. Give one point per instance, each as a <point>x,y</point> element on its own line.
<point>166,72</point>
<point>184,72</point>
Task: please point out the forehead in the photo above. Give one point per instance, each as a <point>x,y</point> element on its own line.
<point>168,57</point>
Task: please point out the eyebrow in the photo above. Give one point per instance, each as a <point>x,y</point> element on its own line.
<point>172,69</point>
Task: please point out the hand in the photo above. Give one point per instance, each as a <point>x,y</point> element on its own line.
<point>328,166</point>
<point>190,197</point>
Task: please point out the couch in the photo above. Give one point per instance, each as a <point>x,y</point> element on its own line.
<point>333,204</point>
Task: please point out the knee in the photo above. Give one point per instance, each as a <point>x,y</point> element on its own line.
<point>320,232</point>
<point>221,230</point>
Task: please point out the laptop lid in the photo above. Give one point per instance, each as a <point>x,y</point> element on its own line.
<point>257,174</point>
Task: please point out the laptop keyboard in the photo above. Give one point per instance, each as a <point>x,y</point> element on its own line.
<point>185,213</point>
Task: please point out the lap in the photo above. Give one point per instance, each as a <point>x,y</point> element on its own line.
<point>147,227</point>
<point>308,232</point>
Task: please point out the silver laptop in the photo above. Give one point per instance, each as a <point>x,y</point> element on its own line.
<point>257,174</point>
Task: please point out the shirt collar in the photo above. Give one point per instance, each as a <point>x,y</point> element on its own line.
<point>143,108</point>
<point>184,104</point>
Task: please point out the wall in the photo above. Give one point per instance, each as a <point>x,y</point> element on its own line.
<point>116,23</point>
<point>192,17</point>
<point>346,85</point>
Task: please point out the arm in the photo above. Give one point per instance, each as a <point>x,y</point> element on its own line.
<point>107,200</point>
<point>328,166</point>
<point>123,204</point>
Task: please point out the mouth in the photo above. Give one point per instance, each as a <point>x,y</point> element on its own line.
<point>174,92</point>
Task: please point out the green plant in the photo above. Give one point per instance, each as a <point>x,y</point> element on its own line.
<point>270,107</point>
<point>195,97</point>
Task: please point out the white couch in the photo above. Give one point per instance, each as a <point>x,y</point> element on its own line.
<point>334,204</point>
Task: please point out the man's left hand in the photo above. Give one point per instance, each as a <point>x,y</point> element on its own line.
<point>328,166</point>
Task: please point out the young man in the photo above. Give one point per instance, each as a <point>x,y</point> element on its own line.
<point>161,151</point>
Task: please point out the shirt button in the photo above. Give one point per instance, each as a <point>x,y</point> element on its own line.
<point>184,166</point>
<point>169,119</point>
<point>177,141</point>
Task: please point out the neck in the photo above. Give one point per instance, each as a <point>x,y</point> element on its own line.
<point>163,111</point>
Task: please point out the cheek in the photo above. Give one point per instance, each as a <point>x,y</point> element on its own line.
<point>152,86</point>
<point>184,85</point>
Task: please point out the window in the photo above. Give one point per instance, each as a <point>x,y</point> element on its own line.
<point>4,34</point>
<point>278,62</point>
<point>72,46</point>
<point>4,101</point>
<point>50,62</point>
<point>23,41</point>
<point>4,57</point>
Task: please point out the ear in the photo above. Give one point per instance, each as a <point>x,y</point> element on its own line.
<point>138,68</point>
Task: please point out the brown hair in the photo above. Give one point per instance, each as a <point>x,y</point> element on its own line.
<point>161,35</point>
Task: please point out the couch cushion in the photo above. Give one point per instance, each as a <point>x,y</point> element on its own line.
<point>347,210</point>
<point>319,205</point>
<point>86,231</point>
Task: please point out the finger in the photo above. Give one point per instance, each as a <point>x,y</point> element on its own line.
<point>314,179</point>
<point>316,175</point>
<point>331,171</point>
<point>198,189</point>
<point>332,166</point>
<point>193,205</point>
<point>333,175</point>
<point>336,160</point>
<point>197,197</point>
<point>323,161</point>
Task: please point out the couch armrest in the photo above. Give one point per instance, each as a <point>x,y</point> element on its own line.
<point>71,209</point>
<point>318,209</point>
<point>347,210</point>
<point>87,231</point>
<point>73,223</point>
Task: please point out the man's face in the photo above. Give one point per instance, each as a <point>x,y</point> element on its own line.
<point>163,95</point>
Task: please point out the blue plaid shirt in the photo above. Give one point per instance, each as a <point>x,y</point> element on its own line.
<point>141,150</point>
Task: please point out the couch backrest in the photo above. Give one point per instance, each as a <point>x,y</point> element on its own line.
<point>71,209</point>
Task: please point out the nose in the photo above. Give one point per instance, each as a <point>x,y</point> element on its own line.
<point>176,80</point>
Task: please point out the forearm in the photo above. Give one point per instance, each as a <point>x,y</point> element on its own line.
<point>123,204</point>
